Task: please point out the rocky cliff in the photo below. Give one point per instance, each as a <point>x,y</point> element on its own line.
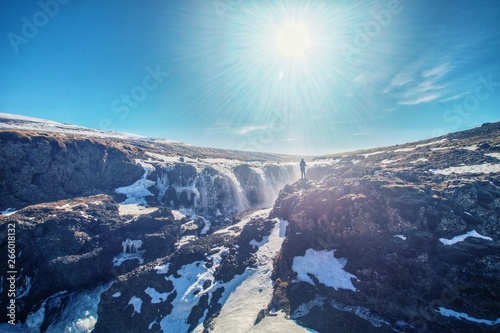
<point>100,210</point>
<point>414,231</point>
<point>42,167</point>
<point>129,235</point>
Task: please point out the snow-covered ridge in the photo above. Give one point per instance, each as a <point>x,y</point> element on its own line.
<point>18,122</point>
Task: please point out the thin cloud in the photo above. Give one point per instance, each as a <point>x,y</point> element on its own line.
<point>437,72</point>
<point>418,85</point>
<point>421,100</point>
<point>250,129</point>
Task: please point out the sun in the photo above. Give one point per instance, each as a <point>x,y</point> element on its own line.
<point>293,39</point>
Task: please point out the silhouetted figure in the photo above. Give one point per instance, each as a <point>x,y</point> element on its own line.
<point>302,169</point>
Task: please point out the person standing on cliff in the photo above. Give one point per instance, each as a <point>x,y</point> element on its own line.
<point>302,169</point>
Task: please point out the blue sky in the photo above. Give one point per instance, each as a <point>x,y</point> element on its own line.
<point>209,73</point>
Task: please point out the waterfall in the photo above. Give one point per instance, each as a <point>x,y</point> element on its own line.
<point>218,188</point>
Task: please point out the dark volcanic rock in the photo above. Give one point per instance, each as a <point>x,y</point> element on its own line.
<point>199,271</point>
<point>384,216</point>
<point>44,167</point>
<point>71,245</point>
<point>388,227</point>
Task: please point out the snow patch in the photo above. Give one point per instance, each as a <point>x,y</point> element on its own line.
<point>461,315</point>
<point>189,289</point>
<point>162,269</point>
<point>327,269</point>
<point>283,225</point>
<point>9,211</point>
<point>69,207</point>
<point>374,153</point>
<point>495,155</point>
<point>206,227</point>
<point>441,148</point>
<point>387,161</point>
<point>400,236</point>
<point>461,238</point>
<point>431,143</point>
<point>263,213</point>
<point>219,161</point>
<point>136,302</point>
<point>156,297</point>
<point>135,209</point>
<point>264,240</point>
<point>477,168</point>
<point>304,308</point>
<point>245,296</point>
<point>169,159</point>
<point>116,295</point>
<point>420,160</point>
<point>177,215</point>
<point>185,240</point>
<point>471,148</point>
<point>79,314</point>
<point>402,150</point>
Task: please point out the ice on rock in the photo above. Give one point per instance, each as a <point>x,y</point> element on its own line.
<point>131,246</point>
<point>130,251</point>
<point>138,191</point>
<point>464,316</point>
<point>461,238</point>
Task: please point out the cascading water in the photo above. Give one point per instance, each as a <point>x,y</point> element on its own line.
<point>271,179</point>
<point>220,188</point>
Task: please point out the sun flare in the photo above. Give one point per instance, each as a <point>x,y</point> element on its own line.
<point>293,39</point>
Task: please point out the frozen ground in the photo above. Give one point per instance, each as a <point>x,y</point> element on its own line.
<point>241,309</point>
